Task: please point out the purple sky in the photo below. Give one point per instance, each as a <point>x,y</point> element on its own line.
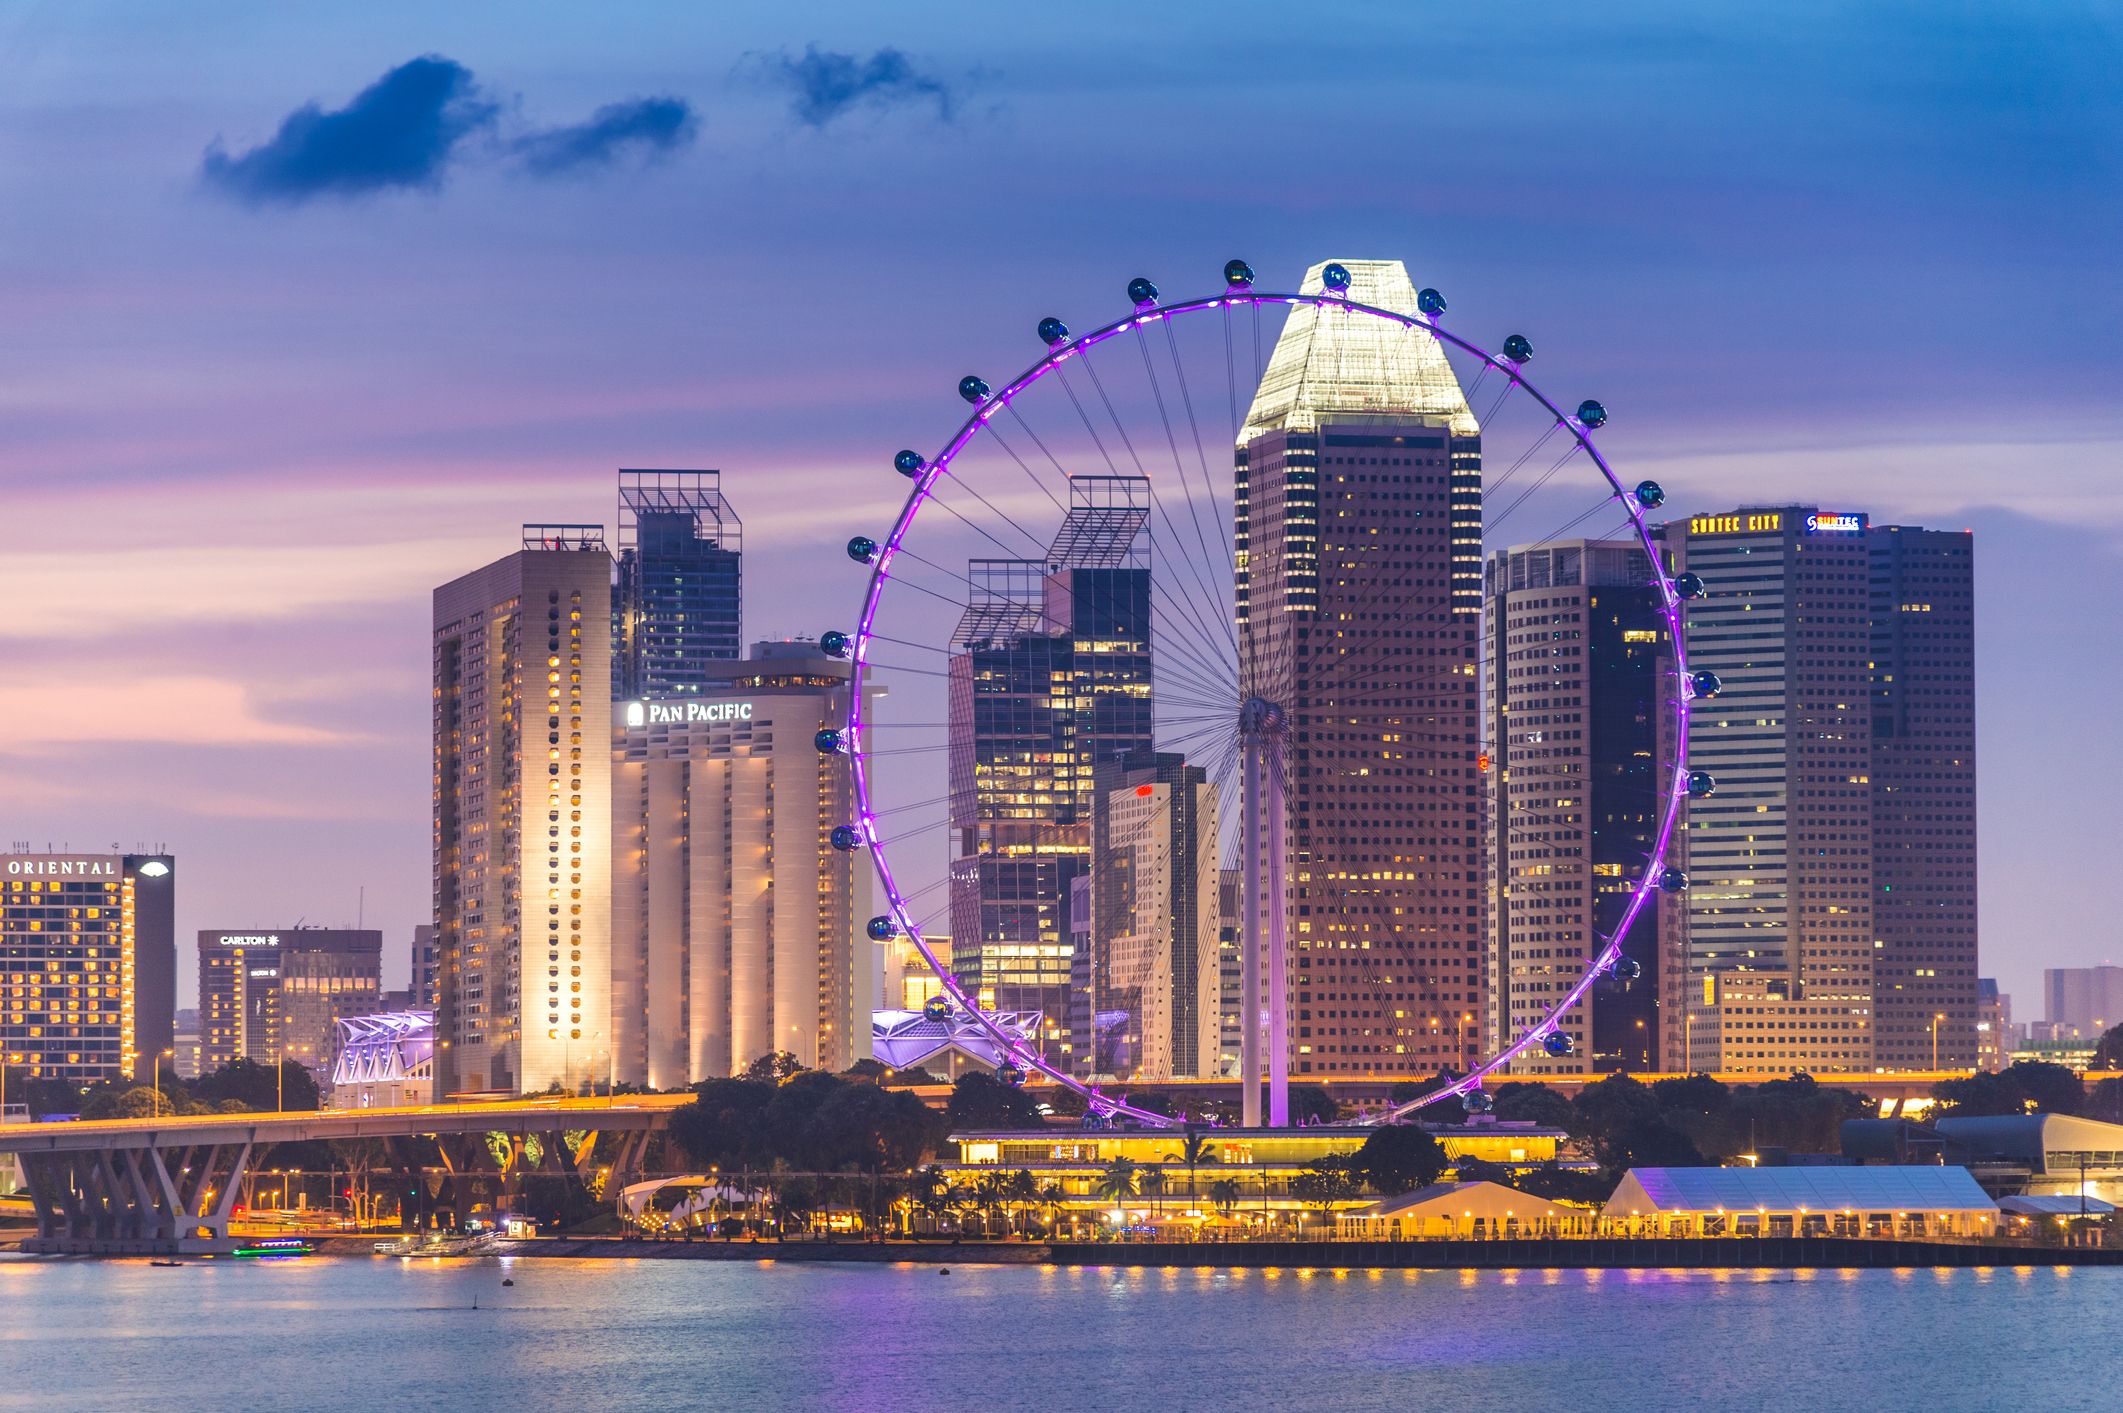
<point>251,411</point>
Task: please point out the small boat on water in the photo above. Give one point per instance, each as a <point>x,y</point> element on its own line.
<point>276,1247</point>
<point>160,1262</point>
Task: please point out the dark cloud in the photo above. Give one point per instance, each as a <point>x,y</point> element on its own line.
<point>827,85</point>
<point>401,131</point>
<point>647,125</point>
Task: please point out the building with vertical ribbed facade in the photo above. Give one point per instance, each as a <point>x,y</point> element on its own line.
<point>522,824</point>
<point>1049,673</point>
<point>1579,649</point>
<point>737,930</point>
<point>1777,942</point>
<point>1359,545</point>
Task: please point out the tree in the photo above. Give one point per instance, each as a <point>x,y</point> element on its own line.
<point>254,1087</point>
<point>723,1126</point>
<point>1312,1104</point>
<point>2026,1086</point>
<point>774,1067</point>
<point>2105,1101</point>
<point>861,1126</point>
<point>866,1068</point>
<point>2108,1053</point>
<point>1022,1188</point>
<point>1602,1111</point>
<point>1195,1149</point>
<point>1694,1093</point>
<point>1324,1182</point>
<point>1399,1158</point>
<point>981,1101</point>
<point>1649,1142</point>
<point>1119,1180</point>
<point>1224,1193</point>
<point>140,1102</point>
<point>1535,1104</point>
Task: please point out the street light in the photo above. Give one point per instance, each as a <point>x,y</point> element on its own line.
<point>156,1110</point>
<point>10,1060</point>
<point>1937,1016</point>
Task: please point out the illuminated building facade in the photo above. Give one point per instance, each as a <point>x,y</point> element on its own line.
<point>88,963</point>
<point>1924,797</point>
<point>1049,674</point>
<point>522,791</point>
<point>679,605</point>
<point>1359,543</point>
<point>736,926</point>
<point>271,993</point>
<point>1578,651</point>
<point>1775,948</point>
<point>1154,911</point>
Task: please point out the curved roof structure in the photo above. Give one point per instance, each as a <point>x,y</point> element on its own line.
<point>385,1048</point>
<point>1912,1188</point>
<point>905,1039</point>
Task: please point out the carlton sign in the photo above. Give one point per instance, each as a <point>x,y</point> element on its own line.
<point>686,713</point>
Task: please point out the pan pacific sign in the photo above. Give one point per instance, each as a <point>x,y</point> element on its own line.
<point>687,712</point>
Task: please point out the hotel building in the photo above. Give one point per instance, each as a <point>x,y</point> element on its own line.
<point>88,963</point>
<point>1154,912</point>
<point>736,926</point>
<point>267,994</point>
<point>1359,543</point>
<point>522,833</point>
<point>1049,674</point>
<point>1578,652</point>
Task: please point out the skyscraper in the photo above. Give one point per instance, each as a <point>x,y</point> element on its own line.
<point>523,855</point>
<point>2085,1001</point>
<point>1924,796</point>
<point>270,993</point>
<point>680,604</point>
<point>1778,938</point>
<point>87,963</point>
<point>1155,924</point>
<point>1049,674</point>
<point>1578,653</point>
<point>737,930</point>
<point>1359,546</point>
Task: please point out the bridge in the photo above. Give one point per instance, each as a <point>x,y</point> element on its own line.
<point>133,1186</point>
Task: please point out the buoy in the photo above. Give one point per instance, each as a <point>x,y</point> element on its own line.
<point>508,1280</point>
<point>944,1271</point>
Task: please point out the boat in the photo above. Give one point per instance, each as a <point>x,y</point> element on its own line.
<point>276,1246</point>
<point>158,1261</point>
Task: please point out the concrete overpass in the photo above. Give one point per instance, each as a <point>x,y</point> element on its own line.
<point>171,1184</point>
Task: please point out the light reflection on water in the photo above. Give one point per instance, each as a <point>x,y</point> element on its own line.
<point>330,1334</point>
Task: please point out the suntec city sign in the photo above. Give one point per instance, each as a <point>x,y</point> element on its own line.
<point>1837,522</point>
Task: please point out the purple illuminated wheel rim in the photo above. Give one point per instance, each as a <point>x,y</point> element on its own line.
<point>1028,1056</point>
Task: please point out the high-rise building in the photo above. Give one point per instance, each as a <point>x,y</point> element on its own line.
<point>1578,655</point>
<point>1155,926</point>
<point>522,788</point>
<point>1049,674</point>
<point>737,929</point>
<point>679,605</point>
<point>87,968</point>
<point>1777,953</point>
<point>2083,1001</point>
<point>1359,545</point>
<point>427,968</point>
<point>189,1044</point>
<point>267,994</point>
<point>1923,797</point>
<point>1995,1036</point>
<point>1230,973</point>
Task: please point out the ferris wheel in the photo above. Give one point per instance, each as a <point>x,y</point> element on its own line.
<point>1192,697</point>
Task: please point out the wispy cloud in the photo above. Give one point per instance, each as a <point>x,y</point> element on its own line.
<point>825,85</point>
<point>182,710</point>
<point>649,127</point>
<point>400,132</point>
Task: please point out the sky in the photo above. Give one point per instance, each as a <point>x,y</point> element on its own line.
<point>306,309</point>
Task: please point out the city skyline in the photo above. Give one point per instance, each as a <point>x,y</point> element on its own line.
<point>274,508</point>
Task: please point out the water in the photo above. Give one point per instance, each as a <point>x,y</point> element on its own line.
<point>357,1333</point>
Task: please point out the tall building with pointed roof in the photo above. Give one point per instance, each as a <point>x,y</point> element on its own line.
<point>1359,564</point>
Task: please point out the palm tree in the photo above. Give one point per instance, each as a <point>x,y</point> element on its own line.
<point>1022,1188</point>
<point>1194,1150</point>
<point>1224,1193</point>
<point>1050,1196</point>
<point>1154,1189</point>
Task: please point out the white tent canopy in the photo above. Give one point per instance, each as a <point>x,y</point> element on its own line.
<point>1464,1209</point>
<point>1843,1200</point>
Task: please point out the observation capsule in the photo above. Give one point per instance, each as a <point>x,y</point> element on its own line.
<point>1336,279</point>
<point>1052,331</point>
<point>862,549</point>
<point>1701,785</point>
<point>1141,292</point>
<point>1238,274</point>
<point>846,838</point>
<point>1430,302</point>
<point>1557,1044</point>
<point>1477,1101</point>
<point>1688,586</point>
<point>882,929</point>
<point>1706,684</point>
<point>1010,1075</point>
<point>1673,880</point>
<point>833,643</point>
<point>936,1008</point>
<point>829,741</point>
<point>909,463</point>
<point>1518,348</point>
<point>972,389</point>
<point>1628,968</point>
<point>1591,414</point>
<point>1650,494</point>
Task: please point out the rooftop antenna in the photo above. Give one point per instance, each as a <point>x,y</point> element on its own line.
<point>361,906</point>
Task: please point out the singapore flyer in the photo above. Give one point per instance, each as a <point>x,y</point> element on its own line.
<point>1206,721</point>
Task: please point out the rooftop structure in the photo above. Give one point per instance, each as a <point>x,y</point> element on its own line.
<point>385,1060</point>
<point>911,1039</point>
<point>1464,1209</point>
<point>1908,1201</point>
